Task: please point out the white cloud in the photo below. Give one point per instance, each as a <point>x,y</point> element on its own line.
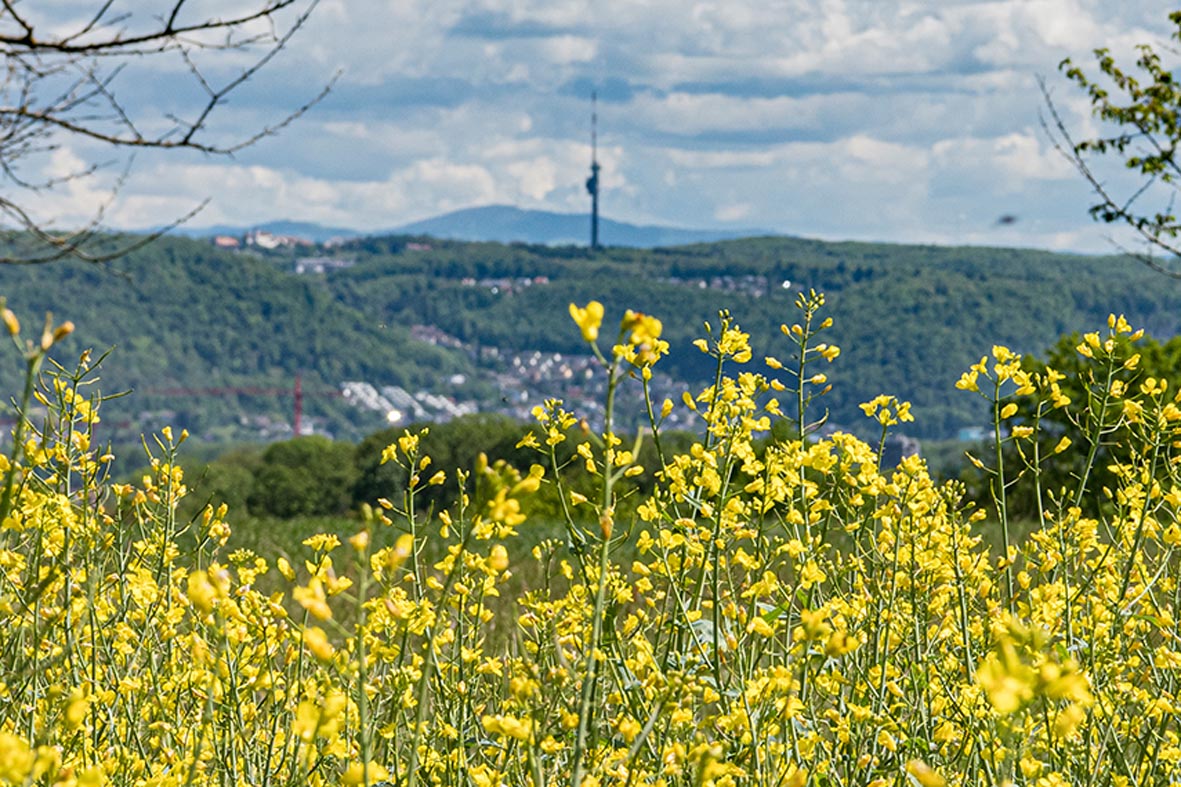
<point>914,119</point>
<point>1011,162</point>
<point>536,178</point>
<point>569,49</point>
<point>533,173</point>
<point>696,113</point>
<point>735,211</point>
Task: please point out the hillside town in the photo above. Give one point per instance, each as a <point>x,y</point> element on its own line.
<point>521,381</point>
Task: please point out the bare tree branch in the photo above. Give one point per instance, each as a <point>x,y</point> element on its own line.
<point>60,86</point>
<point>167,35</point>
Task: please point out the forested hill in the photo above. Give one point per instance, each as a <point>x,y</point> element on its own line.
<point>181,315</point>
<point>909,319</point>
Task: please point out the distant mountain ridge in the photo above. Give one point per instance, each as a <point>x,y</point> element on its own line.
<point>506,224</point>
<point>500,224</point>
<point>316,233</point>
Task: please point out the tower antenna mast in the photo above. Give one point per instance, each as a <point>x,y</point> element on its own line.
<point>592,183</point>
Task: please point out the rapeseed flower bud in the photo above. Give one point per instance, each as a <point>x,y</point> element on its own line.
<point>498,558</point>
<point>10,322</point>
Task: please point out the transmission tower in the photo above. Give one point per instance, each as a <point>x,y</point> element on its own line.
<point>592,183</point>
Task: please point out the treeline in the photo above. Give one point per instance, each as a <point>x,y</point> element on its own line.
<point>315,476</point>
<point>312,476</point>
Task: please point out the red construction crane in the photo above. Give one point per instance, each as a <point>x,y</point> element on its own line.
<point>296,392</point>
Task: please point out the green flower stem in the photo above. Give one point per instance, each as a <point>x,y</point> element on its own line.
<point>33,367</point>
<point>999,495</point>
<point>363,714</point>
<point>590,662</point>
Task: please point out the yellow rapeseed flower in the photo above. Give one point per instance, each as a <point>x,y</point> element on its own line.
<point>313,599</point>
<point>588,319</point>
<point>1007,681</point>
<point>644,328</point>
<point>16,759</point>
<point>967,381</point>
<point>360,541</point>
<point>924,774</point>
<point>1069,719</point>
<point>202,592</point>
<point>77,708</point>
<point>317,642</point>
<point>370,773</point>
<point>285,569</point>
<point>509,726</point>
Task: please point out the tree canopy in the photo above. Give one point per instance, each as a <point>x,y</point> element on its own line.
<point>1140,107</point>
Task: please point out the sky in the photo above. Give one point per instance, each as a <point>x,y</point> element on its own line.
<point>908,121</point>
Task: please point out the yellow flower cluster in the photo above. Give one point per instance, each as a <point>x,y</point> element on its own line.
<point>887,410</point>
<point>778,611</point>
